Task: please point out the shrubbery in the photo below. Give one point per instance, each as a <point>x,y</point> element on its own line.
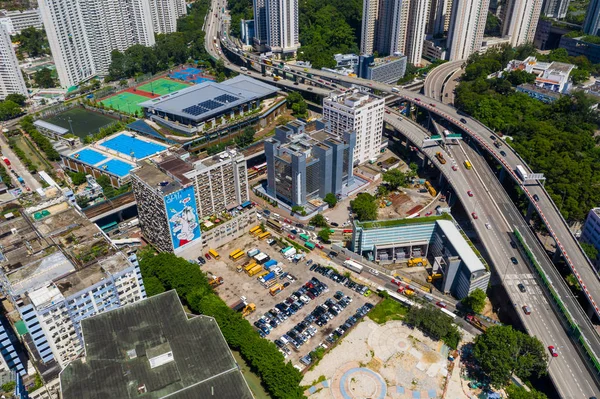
<point>167,271</point>
<point>435,324</point>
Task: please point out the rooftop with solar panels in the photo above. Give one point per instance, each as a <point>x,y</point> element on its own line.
<point>209,99</point>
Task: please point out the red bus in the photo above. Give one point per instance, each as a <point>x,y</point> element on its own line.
<point>347,231</point>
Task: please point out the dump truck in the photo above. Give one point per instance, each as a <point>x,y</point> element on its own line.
<point>430,189</point>
<point>276,289</point>
<point>476,321</point>
<point>215,281</point>
<point>249,266</point>
<point>440,157</point>
<point>270,264</point>
<point>434,276</point>
<point>267,277</point>
<point>255,270</point>
<point>417,262</point>
<point>248,309</point>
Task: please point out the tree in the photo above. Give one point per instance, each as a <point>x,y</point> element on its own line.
<point>9,387</point>
<point>492,25</point>
<point>324,235</point>
<point>78,178</point>
<point>434,323</point>
<point>296,103</point>
<point>516,392</point>
<point>298,209</point>
<point>395,178</point>
<point>246,137</point>
<point>43,78</point>
<point>365,207</point>
<point>9,110</point>
<point>519,77</point>
<point>18,99</point>
<point>475,301</point>
<point>502,352</point>
<point>82,201</point>
<point>590,250</point>
<point>33,42</point>
<point>330,199</point>
<point>318,221</point>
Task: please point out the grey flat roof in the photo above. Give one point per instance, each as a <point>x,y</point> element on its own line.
<point>52,127</point>
<point>210,98</point>
<point>38,273</point>
<point>190,356</point>
<point>461,246</point>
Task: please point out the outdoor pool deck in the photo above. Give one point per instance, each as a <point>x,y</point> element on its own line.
<point>129,146</point>
<point>104,162</point>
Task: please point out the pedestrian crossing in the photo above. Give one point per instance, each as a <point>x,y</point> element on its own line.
<point>288,227</point>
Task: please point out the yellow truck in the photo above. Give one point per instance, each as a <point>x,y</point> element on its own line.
<point>430,188</point>
<point>274,290</point>
<point>434,276</point>
<point>249,308</point>
<point>440,157</point>
<point>417,262</point>
<point>255,270</point>
<point>249,266</point>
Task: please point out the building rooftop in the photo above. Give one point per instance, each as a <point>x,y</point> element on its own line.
<point>38,273</point>
<point>462,248</point>
<point>154,177</point>
<point>387,60</point>
<point>208,99</point>
<point>151,349</point>
<point>208,162</point>
<point>377,224</point>
<point>49,126</point>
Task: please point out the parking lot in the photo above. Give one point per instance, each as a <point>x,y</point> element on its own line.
<point>307,311</point>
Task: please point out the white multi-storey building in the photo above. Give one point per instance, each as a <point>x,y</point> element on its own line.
<point>418,17</point>
<point>16,21</point>
<point>165,14</point>
<point>439,17</point>
<point>63,21</point>
<point>11,78</point>
<point>360,113</point>
<point>369,20</point>
<point>282,26</point>
<point>82,34</point>
<point>467,25</point>
<point>521,20</point>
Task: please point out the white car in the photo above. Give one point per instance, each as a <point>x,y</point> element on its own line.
<point>488,226</point>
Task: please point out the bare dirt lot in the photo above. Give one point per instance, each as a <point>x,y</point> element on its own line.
<point>237,284</point>
<point>380,361</point>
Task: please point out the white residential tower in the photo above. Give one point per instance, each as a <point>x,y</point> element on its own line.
<point>521,20</point>
<point>282,26</point>
<point>165,14</point>
<point>11,78</point>
<point>467,25</point>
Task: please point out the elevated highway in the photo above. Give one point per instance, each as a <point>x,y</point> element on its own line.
<point>581,383</point>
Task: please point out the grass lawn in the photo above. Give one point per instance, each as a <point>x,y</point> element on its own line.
<point>32,155</point>
<point>387,310</point>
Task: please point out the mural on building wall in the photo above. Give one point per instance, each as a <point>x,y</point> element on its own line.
<point>183,217</point>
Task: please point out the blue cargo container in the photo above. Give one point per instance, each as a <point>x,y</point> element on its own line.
<point>268,277</point>
<point>270,263</point>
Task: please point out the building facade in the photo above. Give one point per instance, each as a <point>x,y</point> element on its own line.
<point>221,182</point>
<point>591,24</point>
<point>555,8</point>
<point>360,113</point>
<point>590,233</point>
<point>521,20</point>
<point>282,26</point>
<point>260,24</point>
<point>418,18</point>
<point>82,34</point>
<point>387,70</point>
<point>16,21</point>
<point>11,78</point>
<point>467,25</point>
<point>165,14</point>
<point>305,166</point>
<point>439,241</point>
<point>439,17</point>
<point>369,20</point>
<point>247,31</point>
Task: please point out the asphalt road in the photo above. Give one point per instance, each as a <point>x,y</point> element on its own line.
<point>578,383</point>
<point>490,203</point>
<point>437,79</point>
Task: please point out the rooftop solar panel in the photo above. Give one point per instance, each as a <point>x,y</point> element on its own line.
<point>226,98</point>
<point>210,104</point>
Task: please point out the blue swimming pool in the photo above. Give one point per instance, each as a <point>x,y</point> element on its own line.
<point>132,146</point>
<point>117,167</point>
<point>88,156</point>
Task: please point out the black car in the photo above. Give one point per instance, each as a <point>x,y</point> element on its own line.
<point>201,260</point>
<point>513,244</point>
<point>300,225</point>
<point>463,120</point>
<point>522,287</point>
<point>503,153</point>
<point>313,267</point>
<point>536,198</point>
<point>514,260</point>
<point>334,224</point>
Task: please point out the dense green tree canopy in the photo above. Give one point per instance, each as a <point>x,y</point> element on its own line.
<point>32,42</point>
<point>324,235</point>
<point>395,178</point>
<point>9,109</point>
<point>330,199</point>
<point>475,301</point>
<point>434,323</point>
<point>515,392</point>
<point>318,220</point>
<point>18,99</point>
<point>555,139</point>
<point>44,79</point>
<point>502,351</point>
<point>297,104</point>
<point>365,207</point>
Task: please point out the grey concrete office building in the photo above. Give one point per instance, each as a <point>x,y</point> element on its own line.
<point>591,25</point>
<point>305,162</point>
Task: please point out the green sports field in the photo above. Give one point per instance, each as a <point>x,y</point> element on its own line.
<point>162,86</point>
<point>125,102</point>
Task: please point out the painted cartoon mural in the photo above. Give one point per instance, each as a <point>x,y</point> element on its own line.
<point>183,217</point>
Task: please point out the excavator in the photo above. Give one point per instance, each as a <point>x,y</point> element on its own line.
<point>248,309</point>
<point>417,262</point>
<point>215,281</point>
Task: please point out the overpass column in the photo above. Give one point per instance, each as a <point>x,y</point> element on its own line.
<point>557,255</point>
<point>263,69</point>
<point>530,210</point>
<point>502,175</point>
